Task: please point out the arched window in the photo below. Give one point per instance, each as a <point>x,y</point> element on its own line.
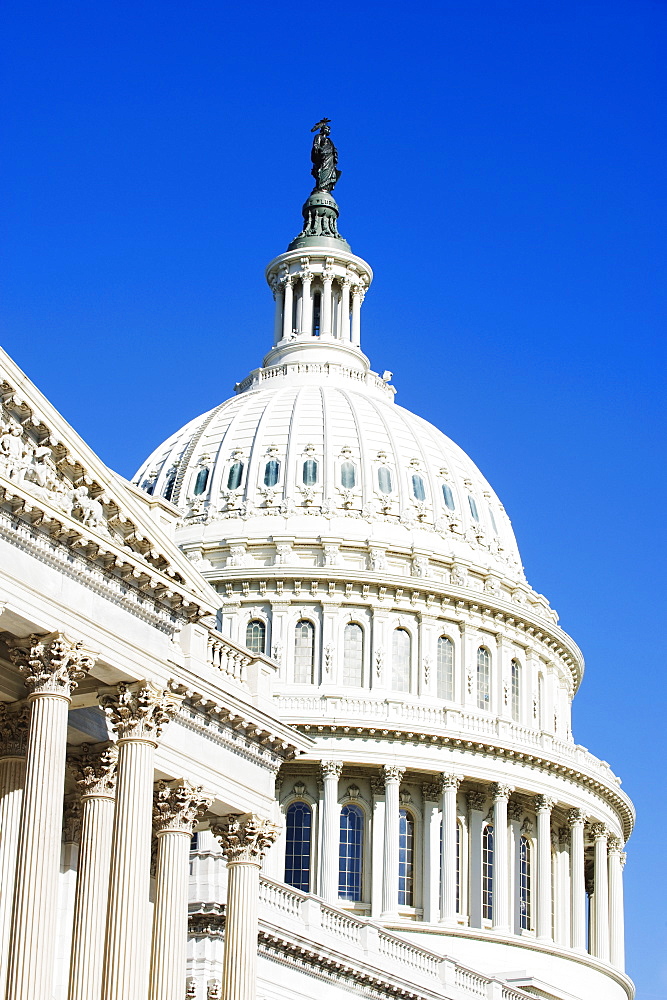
<point>235,476</point>
<point>271,472</point>
<point>448,496</point>
<point>348,475</point>
<point>310,472</point>
<point>401,647</point>
<point>304,652</point>
<point>445,668</point>
<point>384,479</point>
<point>406,859</point>
<point>418,490</point>
<point>483,678</point>
<point>201,482</point>
<point>255,636</point>
<point>473,508</point>
<point>317,310</point>
<point>524,884</point>
<point>169,484</point>
<point>353,655</point>
<point>487,872</point>
<point>297,849</point>
<point>350,853</point>
<point>516,690</point>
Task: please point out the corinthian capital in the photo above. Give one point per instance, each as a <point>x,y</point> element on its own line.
<point>392,772</point>
<point>615,844</point>
<point>178,806</point>
<point>140,711</point>
<point>51,664</point>
<point>544,803</point>
<point>245,838</point>
<point>14,726</point>
<point>331,768</point>
<point>599,831</point>
<point>448,780</point>
<point>576,817</point>
<point>501,791</point>
<point>94,769</point>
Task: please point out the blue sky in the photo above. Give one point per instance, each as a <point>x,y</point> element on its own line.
<point>503,173</point>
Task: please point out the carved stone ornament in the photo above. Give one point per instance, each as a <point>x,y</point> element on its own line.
<point>245,838</point>
<point>598,831</point>
<point>404,797</point>
<point>213,991</point>
<point>299,789</point>
<point>140,711</point>
<point>178,806</point>
<point>563,836</point>
<point>430,791</point>
<point>51,664</point>
<point>576,817</point>
<point>448,780</point>
<point>392,772</point>
<point>353,792</point>
<point>94,769</point>
<point>515,811</point>
<point>377,784</point>
<point>329,651</point>
<point>527,827</point>
<point>191,990</point>
<point>475,799</point>
<point>379,660</point>
<point>501,791</point>
<point>544,803</point>
<point>14,727</point>
<point>72,818</point>
<point>614,844</point>
<point>331,768</point>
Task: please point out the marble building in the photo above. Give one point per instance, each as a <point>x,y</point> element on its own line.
<point>284,715</point>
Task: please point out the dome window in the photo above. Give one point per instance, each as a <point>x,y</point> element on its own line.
<point>310,472</point>
<point>493,522</point>
<point>350,853</point>
<point>255,636</point>
<point>401,656</point>
<point>170,482</point>
<point>384,479</point>
<point>304,652</point>
<point>406,858</point>
<point>445,671</point>
<point>297,848</point>
<point>483,678</point>
<point>235,476</point>
<point>418,490</point>
<point>516,690</point>
<point>353,655</point>
<point>448,496</point>
<point>473,508</point>
<point>201,482</point>
<point>271,472</point>
<point>348,475</point>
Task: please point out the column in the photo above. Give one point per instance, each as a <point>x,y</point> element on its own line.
<point>449,785</point>
<point>501,918</point>
<point>138,713</point>
<point>431,853</point>
<point>392,781</point>
<point>475,799</point>
<point>52,666</point>
<point>543,807</point>
<point>288,306</point>
<point>345,309</point>
<point>564,892</point>
<point>616,919</point>
<point>357,299</point>
<point>600,834</point>
<point>515,815</point>
<point>279,296</point>
<point>94,770</point>
<point>14,727</point>
<point>330,771</point>
<point>377,858</point>
<point>326,326</point>
<point>244,840</point>
<point>177,808</point>
<point>576,819</point>
<point>306,298</point>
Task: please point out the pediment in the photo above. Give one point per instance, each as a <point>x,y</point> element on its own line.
<point>50,478</point>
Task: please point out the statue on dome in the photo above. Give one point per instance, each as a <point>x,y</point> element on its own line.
<point>324,156</point>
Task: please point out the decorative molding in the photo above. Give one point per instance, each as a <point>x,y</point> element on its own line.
<point>377,785</point>
<point>515,811</point>
<point>178,806</point>
<point>476,798</point>
<point>140,711</point>
<point>245,838</point>
<point>431,791</point>
<point>72,818</point>
<point>51,664</point>
<point>14,728</point>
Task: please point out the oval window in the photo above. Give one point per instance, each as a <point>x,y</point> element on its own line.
<point>309,472</point>
<point>448,496</point>
<point>235,476</point>
<point>473,508</point>
<point>418,490</point>
<point>201,482</point>
<point>348,475</point>
<point>384,479</point>
<point>271,472</point>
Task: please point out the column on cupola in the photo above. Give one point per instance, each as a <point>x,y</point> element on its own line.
<point>52,665</point>
<point>326,320</point>
<point>431,852</point>
<point>357,299</point>
<point>601,916</point>
<point>392,782</point>
<point>288,305</point>
<point>576,819</point>
<point>138,713</point>
<point>449,789</point>
<point>345,284</point>
<point>94,770</point>
<point>330,771</point>
<point>278,288</point>
<point>14,726</point>
<point>244,840</point>
<point>616,920</point>
<point>306,275</point>
<point>475,798</point>
<point>501,913</point>
<point>377,844</point>
<point>177,808</point>
<point>543,806</point>
<point>515,815</point>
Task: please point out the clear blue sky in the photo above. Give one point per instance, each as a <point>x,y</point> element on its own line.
<point>504,174</point>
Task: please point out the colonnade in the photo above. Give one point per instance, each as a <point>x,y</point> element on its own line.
<point>117,952</point>
<point>561,906</point>
<point>338,303</point>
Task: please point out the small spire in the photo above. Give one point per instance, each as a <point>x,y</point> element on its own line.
<point>320,211</point>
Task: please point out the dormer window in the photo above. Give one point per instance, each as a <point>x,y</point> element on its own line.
<point>271,472</point>
<point>448,496</point>
<point>384,479</point>
<point>310,472</point>
<point>418,489</point>
<point>201,482</point>
<point>235,476</point>
<point>348,475</point>
<point>473,508</point>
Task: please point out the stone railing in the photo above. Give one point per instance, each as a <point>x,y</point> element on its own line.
<point>238,664</point>
<point>260,375</point>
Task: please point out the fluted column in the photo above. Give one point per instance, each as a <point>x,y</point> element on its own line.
<point>94,769</point>
<point>600,834</point>
<point>330,771</point>
<point>576,819</point>
<point>327,303</point>
<point>450,786</point>
<point>475,799</point>
<point>431,853</point>
<point>244,840</point>
<point>616,916</point>
<point>543,806</point>
<point>279,296</point>
<point>288,306</point>
<point>501,919</point>
<point>306,299</point>
<point>177,808</point>
<point>392,781</point>
<point>345,308</point>
<point>137,712</point>
<point>357,299</point>
<point>14,727</point>
<point>52,666</point>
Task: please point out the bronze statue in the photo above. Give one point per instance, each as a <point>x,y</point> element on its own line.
<point>325,157</point>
